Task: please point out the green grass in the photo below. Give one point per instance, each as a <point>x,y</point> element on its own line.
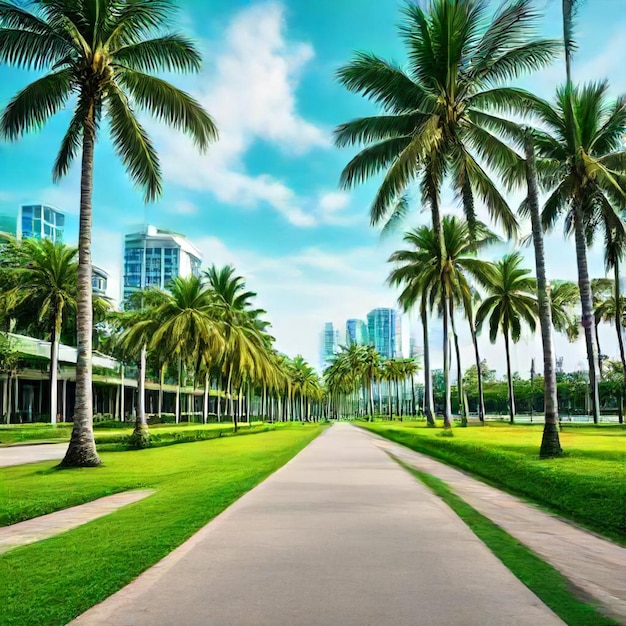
<point>28,433</point>
<point>50,582</point>
<point>587,485</point>
<point>27,491</point>
<point>542,579</point>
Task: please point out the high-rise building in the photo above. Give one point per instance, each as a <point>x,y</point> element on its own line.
<point>356,332</point>
<point>381,331</point>
<point>398,337</point>
<point>330,343</point>
<point>33,221</point>
<point>154,256</point>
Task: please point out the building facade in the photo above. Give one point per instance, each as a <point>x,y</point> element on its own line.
<point>381,330</point>
<point>330,344</point>
<point>99,281</point>
<point>398,337</point>
<point>356,332</point>
<point>33,221</point>
<point>154,256</point>
<point>40,221</point>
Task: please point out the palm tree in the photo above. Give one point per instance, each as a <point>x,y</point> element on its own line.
<point>435,124</point>
<point>563,298</point>
<point>511,301</point>
<point>582,164</point>
<point>45,281</point>
<point>419,271</point>
<point>550,441</point>
<point>189,326</point>
<point>100,52</point>
<point>138,323</point>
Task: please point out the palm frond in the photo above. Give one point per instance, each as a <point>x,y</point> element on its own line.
<point>133,145</point>
<point>32,50</point>
<point>170,105</point>
<point>170,53</point>
<point>35,104</point>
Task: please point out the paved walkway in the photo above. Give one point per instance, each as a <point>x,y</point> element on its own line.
<point>594,565</point>
<point>46,526</point>
<point>17,455</point>
<point>341,535</point>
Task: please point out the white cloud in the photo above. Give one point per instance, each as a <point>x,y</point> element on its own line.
<point>184,207</point>
<point>250,90</point>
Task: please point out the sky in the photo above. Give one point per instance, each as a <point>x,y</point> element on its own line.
<point>266,197</point>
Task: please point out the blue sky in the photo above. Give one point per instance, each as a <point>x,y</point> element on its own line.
<point>265,197</point>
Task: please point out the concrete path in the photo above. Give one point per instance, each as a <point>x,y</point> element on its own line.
<point>53,524</point>
<point>341,535</point>
<point>17,455</point>
<point>594,565</point>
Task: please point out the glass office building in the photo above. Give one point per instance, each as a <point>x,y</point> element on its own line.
<point>330,344</point>
<point>40,221</point>
<point>356,332</point>
<point>382,331</point>
<point>154,256</point>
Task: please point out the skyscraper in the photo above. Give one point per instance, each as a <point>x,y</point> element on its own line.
<point>398,337</point>
<point>154,256</point>
<point>381,330</point>
<point>356,332</point>
<point>330,344</point>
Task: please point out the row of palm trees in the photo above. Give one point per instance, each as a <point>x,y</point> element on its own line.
<point>452,118</point>
<point>207,327</point>
<point>358,379</point>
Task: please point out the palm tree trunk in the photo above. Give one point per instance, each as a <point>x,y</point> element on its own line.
<point>550,442</point>
<point>229,391</point>
<point>619,316</point>
<point>205,406</point>
<point>178,383</point>
<point>596,323</point>
<point>586,300</point>
<point>54,366</point>
<point>481,394</point>
<point>141,436</point>
<point>509,376</point>
<point>413,403</point>
<point>389,397</point>
<point>428,380</point>
<point>82,449</point>
<point>447,413</point>
<point>459,373</point>
<point>161,376</point>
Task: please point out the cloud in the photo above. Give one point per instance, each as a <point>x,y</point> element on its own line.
<point>250,90</point>
<point>184,207</point>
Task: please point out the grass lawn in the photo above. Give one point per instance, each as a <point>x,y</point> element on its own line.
<point>18,433</point>
<point>540,577</point>
<point>53,581</point>
<point>588,484</point>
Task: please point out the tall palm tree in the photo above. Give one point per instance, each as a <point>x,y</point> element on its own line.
<point>45,281</point>
<point>510,302</point>
<point>583,163</point>
<point>419,271</point>
<point>434,124</point>
<point>99,52</point>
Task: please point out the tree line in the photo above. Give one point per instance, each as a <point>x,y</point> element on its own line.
<point>450,117</point>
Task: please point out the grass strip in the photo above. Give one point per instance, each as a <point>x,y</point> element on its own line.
<point>23,495</point>
<point>51,582</point>
<point>546,582</point>
<point>588,485</point>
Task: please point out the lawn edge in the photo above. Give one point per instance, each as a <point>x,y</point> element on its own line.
<point>481,526</point>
